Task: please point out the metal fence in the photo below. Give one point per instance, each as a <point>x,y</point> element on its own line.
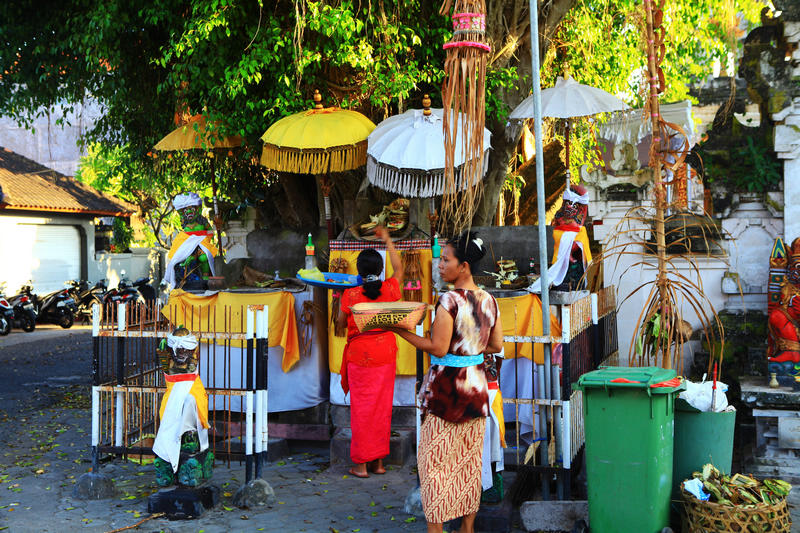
<point>128,381</point>
<point>588,339</point>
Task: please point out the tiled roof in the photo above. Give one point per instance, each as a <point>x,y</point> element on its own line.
<point>30,186</point>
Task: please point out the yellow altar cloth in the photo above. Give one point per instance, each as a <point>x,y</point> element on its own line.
<point>522,316</point>
<point>226,311</point>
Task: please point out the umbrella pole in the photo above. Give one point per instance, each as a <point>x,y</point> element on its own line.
<point>325,187</point>
<point>544,392</point>
<point>217,220</point>
<point>569,131</point>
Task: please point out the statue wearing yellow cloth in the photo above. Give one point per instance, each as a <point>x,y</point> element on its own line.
<point>191,257</point>
<point>181,444</point>
<point>571,256</point>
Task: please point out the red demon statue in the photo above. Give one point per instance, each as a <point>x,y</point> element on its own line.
<point>783,347</point>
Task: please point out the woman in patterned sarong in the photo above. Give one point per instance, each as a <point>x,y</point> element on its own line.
<point>369,361</point>
<point>454,394</point>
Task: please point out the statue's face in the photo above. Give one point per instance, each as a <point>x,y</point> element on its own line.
<point>190,215</point>
<point>571,213</point>
<point>182,355</point>
<point>793,272</point>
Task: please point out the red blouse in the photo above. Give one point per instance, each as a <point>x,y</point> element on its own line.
<point>371,348</point>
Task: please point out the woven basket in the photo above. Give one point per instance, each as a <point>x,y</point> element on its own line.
<point>371,315</point>
<point>709,517</point>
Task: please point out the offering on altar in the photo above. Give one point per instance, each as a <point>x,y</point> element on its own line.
<point>181,444</point>
<point>191,256</point>
<point>783,348</point>
<point>394,217</point>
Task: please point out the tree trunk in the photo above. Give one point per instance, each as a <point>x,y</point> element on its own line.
<point>508,29</point>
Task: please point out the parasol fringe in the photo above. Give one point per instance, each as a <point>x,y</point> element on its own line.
<point>418,183</point>
<point>314,161</point>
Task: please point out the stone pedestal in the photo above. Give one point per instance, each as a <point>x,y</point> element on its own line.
<point>776,452</point>
<point>402,446</point>
<point>183,503</point>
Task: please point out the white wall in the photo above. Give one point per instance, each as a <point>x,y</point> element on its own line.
<point>18,263</point>
<point>628,271</point>
<point>16,246</point>
<point>138,263</point>
<point>49,144</point>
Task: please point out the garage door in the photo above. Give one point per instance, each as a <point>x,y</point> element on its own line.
<point>55,256</point>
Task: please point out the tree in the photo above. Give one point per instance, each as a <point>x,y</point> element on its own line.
<point>247,63</point>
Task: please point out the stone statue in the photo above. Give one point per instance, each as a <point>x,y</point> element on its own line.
<point>181,444</point>
<point>571,256</point>
<point>783,347</point>
<point>191,257</point>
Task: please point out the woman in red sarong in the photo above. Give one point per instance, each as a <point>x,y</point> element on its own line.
<point>369,362</point>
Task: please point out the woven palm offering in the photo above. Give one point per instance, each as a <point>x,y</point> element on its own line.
<point>371,315</point>
<point>737,503</point>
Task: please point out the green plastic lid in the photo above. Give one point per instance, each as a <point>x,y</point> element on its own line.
<point>653,378</point>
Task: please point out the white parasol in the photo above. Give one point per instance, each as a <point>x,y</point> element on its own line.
<point>570,99</point>
<point>405,154</point>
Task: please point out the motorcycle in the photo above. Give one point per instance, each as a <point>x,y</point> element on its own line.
<point>131,293</point>
<point>6,315</point>
<point>56,307</point>
<point>86,297</point>
<point>24,312</point>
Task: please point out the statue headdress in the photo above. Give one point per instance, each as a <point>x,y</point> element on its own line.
<point>184,200</point>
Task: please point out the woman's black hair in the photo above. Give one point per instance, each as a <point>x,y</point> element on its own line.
<point>370,263</point>
<point>467,249</point>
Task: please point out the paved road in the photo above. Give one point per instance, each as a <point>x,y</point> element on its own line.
<point>44,448</point>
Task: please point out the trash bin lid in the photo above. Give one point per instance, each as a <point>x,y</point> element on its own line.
<point>654,379</point>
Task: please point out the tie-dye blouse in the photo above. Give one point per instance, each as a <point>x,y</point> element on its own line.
<point>461,394</point>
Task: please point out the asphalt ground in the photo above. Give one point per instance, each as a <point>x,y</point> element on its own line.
<point>44,448</point>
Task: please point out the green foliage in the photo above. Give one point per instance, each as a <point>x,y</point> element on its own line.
<point>122,236</point>
<point>746,163</point>
<point>600,44</point>
<point>250,63</point>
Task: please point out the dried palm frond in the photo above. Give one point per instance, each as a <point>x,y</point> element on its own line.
<point>665,242</point>
<point>464,109</point>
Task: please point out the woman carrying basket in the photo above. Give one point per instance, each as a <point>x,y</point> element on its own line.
<point>369,361</point>
<point>454,394</point>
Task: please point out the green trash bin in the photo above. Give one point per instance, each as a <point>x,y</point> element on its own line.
<point>700,438</point>
<point>629,425</point>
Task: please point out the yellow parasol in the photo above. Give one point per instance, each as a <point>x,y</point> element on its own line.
<point>195,135</point>
<point>318,141</point>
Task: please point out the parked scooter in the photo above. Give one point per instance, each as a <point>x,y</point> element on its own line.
<point>6,314</point>
<point>24,312</point>
<point>86,297</point>
<point>56,307</point>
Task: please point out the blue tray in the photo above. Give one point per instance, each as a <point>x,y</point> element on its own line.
<point>351,281</point>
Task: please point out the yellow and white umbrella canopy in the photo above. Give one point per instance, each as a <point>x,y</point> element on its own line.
<point>317,141</point>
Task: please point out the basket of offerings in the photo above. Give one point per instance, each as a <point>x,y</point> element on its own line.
<point>371,315</point>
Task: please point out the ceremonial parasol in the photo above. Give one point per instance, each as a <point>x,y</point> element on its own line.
<point>196,135</point>
<point>405,154</point>
<point>569,99</point>
<point>318,141</point>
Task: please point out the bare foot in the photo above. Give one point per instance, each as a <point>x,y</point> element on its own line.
<point>359,471</point>
<point>378,468</point>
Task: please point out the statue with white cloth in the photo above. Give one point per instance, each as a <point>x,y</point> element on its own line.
<point>571,256</point>
<point>191,256</point>
<point>181,444</point>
